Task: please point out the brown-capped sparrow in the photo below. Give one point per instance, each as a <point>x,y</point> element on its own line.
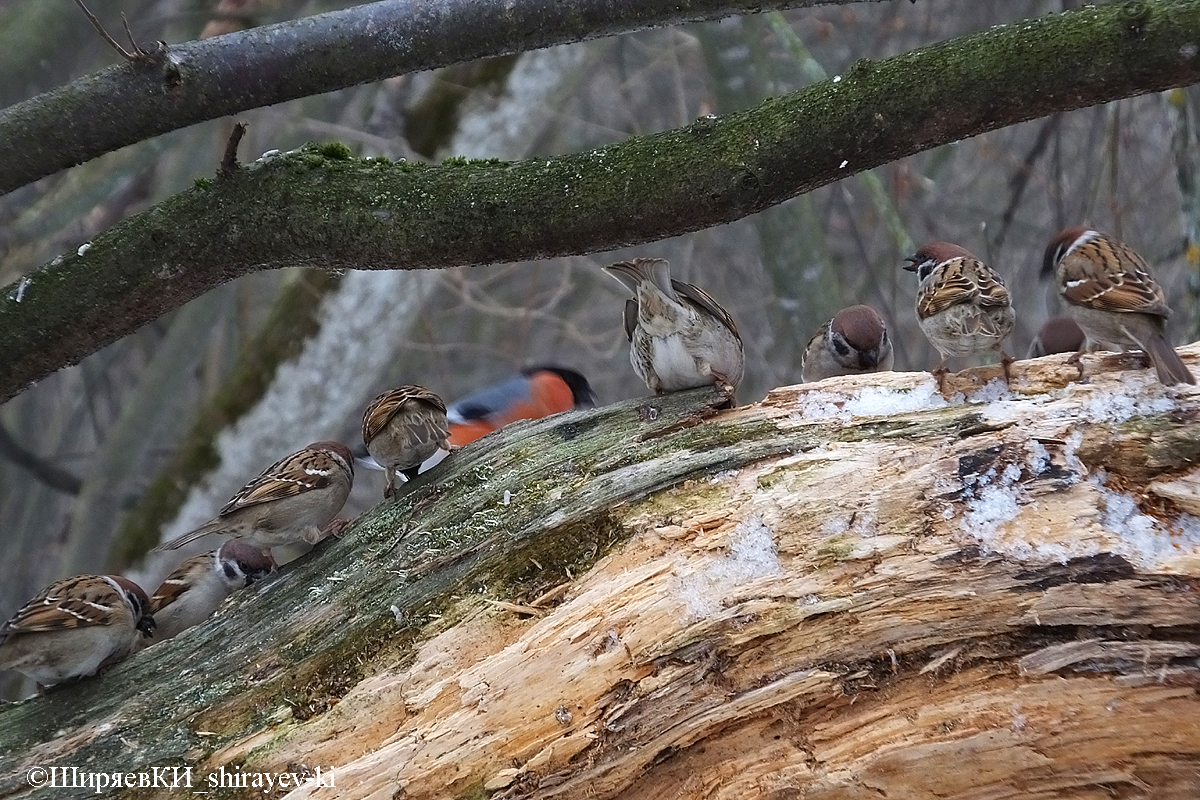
<point>854,341</point>
<point>402,427</point>
<point>191,593</point>
<point>292,501</point>
<point>75,627</point>
<point>680,338</point>
<point>1110,293</point>
<point>963,306</point>
<point>1057,335</point>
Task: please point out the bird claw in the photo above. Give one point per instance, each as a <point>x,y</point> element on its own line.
<point>336,528</point>
<point>1006,362</point>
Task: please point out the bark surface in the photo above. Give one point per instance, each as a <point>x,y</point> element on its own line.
<point>852,589</point>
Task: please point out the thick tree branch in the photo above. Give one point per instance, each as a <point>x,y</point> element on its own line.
<point>223,75</point>
<point>318,207</point>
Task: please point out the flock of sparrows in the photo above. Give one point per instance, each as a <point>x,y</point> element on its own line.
<point>680,338</point>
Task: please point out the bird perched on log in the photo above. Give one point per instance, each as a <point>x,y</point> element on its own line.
<point>680,338</point>
<point>192,592</point>
<point>292,501</point>
<point>1057,335</point>
<point>535,393</point>
<point>402,427</point>
<point>855,340</point>
<point>1109,291</point>
<point>75,627</point>
<point>963,306</point>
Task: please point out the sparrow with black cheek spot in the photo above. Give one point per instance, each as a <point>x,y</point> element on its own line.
<point>535,393</point>
<point>1057,335</point>
<point>191,593</point>
<point>854,341</point>
<point>402,427</point>
<point>963,306</point>
<point>75,627</point>
<point>292,501</point>
<point>1110,293</point>
<point>680,338</point>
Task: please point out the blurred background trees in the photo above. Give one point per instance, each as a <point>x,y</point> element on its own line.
<point>150,435</point>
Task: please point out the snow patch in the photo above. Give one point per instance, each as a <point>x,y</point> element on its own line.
<point>1144,540</point>
<point>1109,406</point>
<point>752,554</point>
<point>868,401</point>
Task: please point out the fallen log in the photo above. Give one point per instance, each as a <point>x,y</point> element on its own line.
<point>856,588</point>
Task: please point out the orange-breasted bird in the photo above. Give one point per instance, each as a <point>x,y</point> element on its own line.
<point>535,393</point>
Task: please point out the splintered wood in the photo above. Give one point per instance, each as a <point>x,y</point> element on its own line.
<point>943,598</point>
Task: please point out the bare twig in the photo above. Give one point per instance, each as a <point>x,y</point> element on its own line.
<point>229,163</point>
<point>49,474</point>
<point>139,53</point>
<point>1020,178</point>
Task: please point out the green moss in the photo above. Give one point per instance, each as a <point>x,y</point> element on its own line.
<point>202,183</point>
<point>836,548</point>
<point>335,151</point>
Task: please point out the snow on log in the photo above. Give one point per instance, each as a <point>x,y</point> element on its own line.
<point>852,589</point>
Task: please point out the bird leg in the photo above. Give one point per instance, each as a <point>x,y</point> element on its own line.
<point>1076,360</point>
<point>390,487</point>
<point>939,372</point>
<point>336,528</point>
<point>1006,362</point>
<point>724,386</point>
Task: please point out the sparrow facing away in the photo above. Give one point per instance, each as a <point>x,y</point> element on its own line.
<point>75,627</point>
<point>402,427</point>
<point>854,341</point>
<point>537,392</point>
<point>1057,335</point>
<point>1110,293</point>
<point>191,593</point>
<point>293,500</point>
<point>680,338</point>
<point>963,306</point>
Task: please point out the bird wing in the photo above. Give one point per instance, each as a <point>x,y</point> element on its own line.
<point>77,602</point>
<point>963,280</point>
<point>388,404</point>
<point>702,301</point>
<point>1109,275</point>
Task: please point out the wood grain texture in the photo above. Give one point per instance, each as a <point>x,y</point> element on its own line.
<point>958,600</point>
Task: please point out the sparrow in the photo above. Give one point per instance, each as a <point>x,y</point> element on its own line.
<point>1057,335</point>
<point>535,393</point>
<point>402,427</point>
<point>1110,293</point>
<point>963,306</point>
<point>75,627</point>
<point>854,341</point>
<point>680,338</point>
<point>292,501</point>
<point>191,593</point>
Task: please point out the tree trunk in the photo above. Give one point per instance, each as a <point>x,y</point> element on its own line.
<point>852,589</point>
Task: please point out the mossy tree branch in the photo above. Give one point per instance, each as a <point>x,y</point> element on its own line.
<point>207,79</point>
<point>318,207</point>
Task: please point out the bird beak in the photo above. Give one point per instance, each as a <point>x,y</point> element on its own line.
<point>146,625</point>
<point>910,263</point>
<point>868,359</point>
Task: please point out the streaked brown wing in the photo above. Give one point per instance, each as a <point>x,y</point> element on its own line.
<point>178,581</point>
<point>287,477</point>
<point>53,610</point>
<point>1125,285</point>
<point>962,280</point>
<point>702,301</point>
<point>388,404</point>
